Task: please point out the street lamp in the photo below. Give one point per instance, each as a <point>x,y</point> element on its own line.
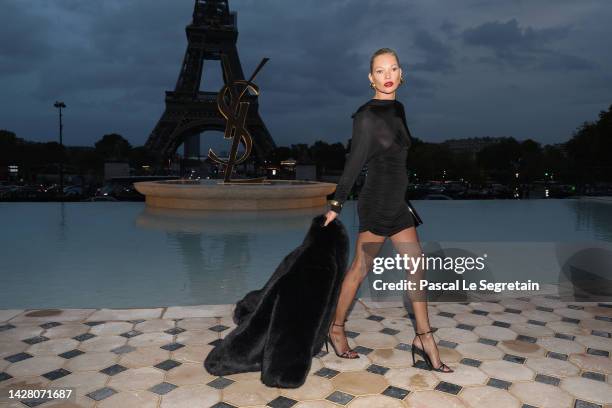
<point>61,105</point>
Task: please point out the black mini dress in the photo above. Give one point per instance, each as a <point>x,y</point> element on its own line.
<point>381,140</point>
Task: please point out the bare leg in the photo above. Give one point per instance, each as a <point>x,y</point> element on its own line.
<point>353,278</point>
<point>408,237</point>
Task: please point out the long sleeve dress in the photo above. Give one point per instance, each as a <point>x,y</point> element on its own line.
<point>381,140</point>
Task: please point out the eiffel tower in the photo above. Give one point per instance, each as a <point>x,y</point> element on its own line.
<point>190,111</point>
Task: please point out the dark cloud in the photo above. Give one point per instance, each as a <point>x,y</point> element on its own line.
<point>523,47</point>
<point>23,46</point>
<point>112,60</point>
<point>437,53</point>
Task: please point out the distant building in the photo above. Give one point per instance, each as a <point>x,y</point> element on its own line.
<point>116,169</point>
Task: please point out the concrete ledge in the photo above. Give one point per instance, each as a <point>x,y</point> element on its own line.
<point>214,195</point>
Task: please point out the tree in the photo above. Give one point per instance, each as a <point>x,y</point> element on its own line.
<point>589,149</point>
<point>113,147</point>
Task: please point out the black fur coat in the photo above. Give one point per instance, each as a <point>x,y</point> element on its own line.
<point>281,326</point>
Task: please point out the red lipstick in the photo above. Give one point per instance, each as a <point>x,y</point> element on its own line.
<point>388,84</point>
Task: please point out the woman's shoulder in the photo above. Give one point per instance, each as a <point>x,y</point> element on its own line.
<point>373,105</point>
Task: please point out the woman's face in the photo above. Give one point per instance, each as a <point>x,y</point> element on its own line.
<point>385,73</point>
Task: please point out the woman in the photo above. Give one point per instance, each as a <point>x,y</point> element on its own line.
<point>381,139</point>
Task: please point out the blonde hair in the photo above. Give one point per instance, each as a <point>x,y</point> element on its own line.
<point>383,51</point>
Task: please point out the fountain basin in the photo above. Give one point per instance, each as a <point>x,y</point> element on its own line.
<point>215,195</point>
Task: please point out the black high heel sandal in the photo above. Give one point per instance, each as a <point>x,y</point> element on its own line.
<point>423,354</point>
<point>343,355</point>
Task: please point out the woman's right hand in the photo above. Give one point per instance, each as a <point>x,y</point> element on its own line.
<point>330,215</point>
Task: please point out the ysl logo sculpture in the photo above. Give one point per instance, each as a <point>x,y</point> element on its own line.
<point>235,112</point>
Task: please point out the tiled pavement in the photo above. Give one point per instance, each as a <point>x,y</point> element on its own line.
<point>525,352</point>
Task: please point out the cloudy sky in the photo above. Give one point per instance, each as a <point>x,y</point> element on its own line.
<point>523,68</point>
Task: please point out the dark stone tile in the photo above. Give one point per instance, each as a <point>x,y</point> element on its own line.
<point>585,404</point>
<point>71,353</point>
<point>172,346</point>
<point>114,369</point>
<point>605,305</point>
<point>49,325</point>
<point>351,334</point>
<point>5,376</point>
<point>597,352</point>
<point>601,333</point>
<point>421,364</point>
<point>168,364</point>
<point>514,359</point>
<point>545,309</point>
<point>131,333</point>
<point>35,339</point>
<point>55,374</point>
<point>34,402</point>
<point>377,369</point>
<point>480,312</point>
<point>465,327</point>
<point>447,344</point>
<point>471,362</point>
<point>101,394</point>
<point>375,318</point>
<point>547,379</point>
<point>84,336</point>
<point>570,320</point>
<point>558,356</point>
<point>6,327</point>
<point>363,350</point>
<point>511,310</point>
<point>282,402</point>
<point>92,324</point>
<point>326,372</point>
<point>594,376</point>
<point>490,342</point>
<point>220,383</point>
<point>536,322</point>
<point>18,357</point>
<point>218,328</point>
<point>215,342</point>
<point>223,404</point>
<point>497,383</point>
<point>604,318</point>
<point>527,339</point>
<point>403,347</point>
<point>448,387</point>
<point>340,397</point>
<point>395,392</point>
<point>389,331</point>
<point>136,321</point>
<point>162,388</point>
<point>126,348</point>
<point>575,307</point>
<point>527,406</point>
<point>500,324</point>
<point>446,314</point>
<point>565,336</point>
<point>175,330</point>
